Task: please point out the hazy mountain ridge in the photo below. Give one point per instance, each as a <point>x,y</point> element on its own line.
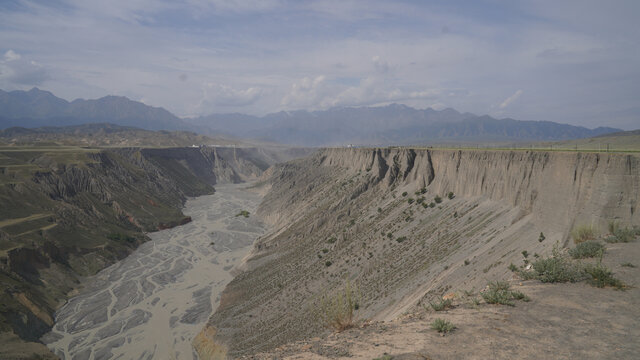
<point>36,108</point>
<point>386,125</point>
<point>393,124</point>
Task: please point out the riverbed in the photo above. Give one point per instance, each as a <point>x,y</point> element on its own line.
<point>152,304</point>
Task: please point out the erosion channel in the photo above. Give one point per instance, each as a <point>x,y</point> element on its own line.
<point>154,302</point>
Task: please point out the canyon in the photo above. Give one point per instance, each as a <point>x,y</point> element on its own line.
<point>405,226</point>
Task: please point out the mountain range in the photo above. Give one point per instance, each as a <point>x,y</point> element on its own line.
<point>38,108</point>
<point>383,125</point>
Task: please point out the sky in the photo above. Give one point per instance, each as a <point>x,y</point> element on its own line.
<point>570,61</point>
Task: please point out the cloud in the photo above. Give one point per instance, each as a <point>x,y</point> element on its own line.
<point>510,99</point>
<point>380,65</point>
<point>225,96</point>
<point>10,55</point>
<point>321,93</point>
<point>18,71</point>
<point>306,92</point>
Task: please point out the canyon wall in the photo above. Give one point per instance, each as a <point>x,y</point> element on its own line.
<point>372,217</point>
<point>69,213</point>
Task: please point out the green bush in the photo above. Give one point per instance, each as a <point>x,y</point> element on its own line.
<point>405,193</point>
<point>450,195</point>
<point>582,233</point>
<point>437,199</point>
<point>500,292</point>
<point>555,269</point>
<point>244,213</point>
<point>432,204</point>
<point>601,276</point>
<point>587,249</point>
<point>328,263</point>
<point>410,200</point>
<point>338,311</point>
<point>442,305</point>
<point>401,239</point>
<point>621,235</point>
<point>541,237</point>
<point>442,326</point>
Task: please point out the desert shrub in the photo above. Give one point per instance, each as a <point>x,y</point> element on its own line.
<point>432,204</point>
<point>627,264</point>
<point>384,357</point>
<point>554,269</point>
<point>401,239</point>
<point>467,262</point>
<point>390,235</point>
<point>587,249</point>
<point>582,233</point>
<point>442,326</point>
<point>244,213</point>
<point>410,200</point>
<point>338,311</point>
<point>622,235</point>
<point>437,199</point>
<point>379,209</point>
<point>442,305</point>
<point>450,195</point>
<point>327,263</point>
<point>541,237</point>
<point>601,276</point>
<point>325,250</point>
<point>420,200</point>
<point>500,292</point>
<point>331,240</point>
<point>405,193</point>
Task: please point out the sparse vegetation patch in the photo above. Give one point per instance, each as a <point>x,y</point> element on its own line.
<point>338,311</point>
<point>500,292</point>
<point>582,233</point>
<point>442,326</point>
<point>244,213</point>
<point>587,249</point>
<point>442,305</point>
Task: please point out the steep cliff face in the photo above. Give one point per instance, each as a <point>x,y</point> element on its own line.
<point>73,212</point>
<point>373,216</point>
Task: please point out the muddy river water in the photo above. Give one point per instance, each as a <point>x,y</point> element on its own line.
<point>153,303</point>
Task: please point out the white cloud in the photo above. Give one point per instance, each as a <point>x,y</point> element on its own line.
<point>10,55</point>
<point>380,65</point>
<point>306,92</point>
<point>16,71</point>
<point>220,95</point>
<point>510,99</point>
<point>320,93</point>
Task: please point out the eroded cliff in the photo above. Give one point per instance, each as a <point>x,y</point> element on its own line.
<point>372,216</point>
<point>69,212</point>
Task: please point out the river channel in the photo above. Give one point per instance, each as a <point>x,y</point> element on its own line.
<point>153,303</point>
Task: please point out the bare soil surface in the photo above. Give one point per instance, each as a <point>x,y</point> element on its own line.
<point>562,321</point>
